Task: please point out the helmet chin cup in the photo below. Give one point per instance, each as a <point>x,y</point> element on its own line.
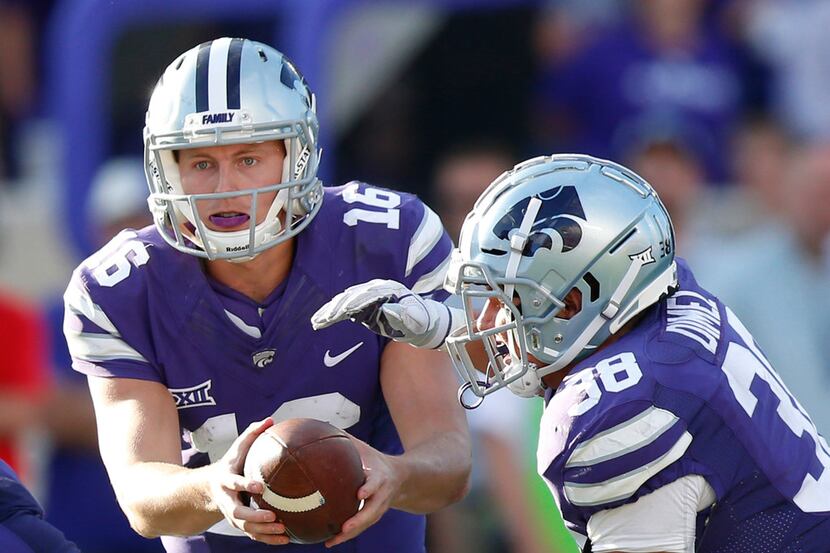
<point>528,385</point>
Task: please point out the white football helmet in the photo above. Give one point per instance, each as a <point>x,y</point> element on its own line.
<point>232,91</point>
<point>548,226</point>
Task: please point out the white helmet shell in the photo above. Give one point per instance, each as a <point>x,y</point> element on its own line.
<point>232,91</point>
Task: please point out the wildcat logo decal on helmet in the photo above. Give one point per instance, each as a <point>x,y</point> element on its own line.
<point>560,207</point>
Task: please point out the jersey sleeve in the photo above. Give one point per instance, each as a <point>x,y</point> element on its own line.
<point>428,249</point>
<point>105,313</point>
<point>619,455</point>
<point>395,236</point>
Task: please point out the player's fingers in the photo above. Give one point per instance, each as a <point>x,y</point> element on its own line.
<point>274,528</point>
<point>352,301</point>
<point>343,306</point>
<point>371,486</point>
<point>255,429</point>
<point>244,514</point>
<point>239,449</point>
<point>327,314</point>
<point>235,483</point>
<point>270,539</point>
<point>374,480</point>
<point>367,516</point>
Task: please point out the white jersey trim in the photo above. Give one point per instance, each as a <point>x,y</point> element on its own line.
<point>251,331</point>
<point>623,486</point>
<point>637,432</point>
<point>100,347</point>
<point>78,301</point>
<point>663,520</point>
<point>432,280</point>
<point>429,233</point>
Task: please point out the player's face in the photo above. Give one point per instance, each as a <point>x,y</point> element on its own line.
<point>231,168</point>
<point>496,314</point>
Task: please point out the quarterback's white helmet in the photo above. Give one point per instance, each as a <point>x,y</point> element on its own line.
<point>232,91</point>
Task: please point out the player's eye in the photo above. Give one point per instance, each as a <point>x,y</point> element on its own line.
<point>248,161</point>
<point>201,165</point>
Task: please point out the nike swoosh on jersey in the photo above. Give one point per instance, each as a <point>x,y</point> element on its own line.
<point>330,361</point>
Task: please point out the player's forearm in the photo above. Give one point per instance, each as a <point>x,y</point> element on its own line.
<point>162,499</point>
<point>434,474</point>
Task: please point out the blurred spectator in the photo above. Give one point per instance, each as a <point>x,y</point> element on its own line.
<point>78,497</point>
<point>777,280</point>
<point>23,376</point>
<point>564,26</point>
<point>761,150</point>
<point>792,37</point>
<point>21,29</point>
<point>17,75</point>
<point>118,198</point>
<point>667,159</point>
<point>462,175</point>
<point>662,62</point>
<point>498,515</point>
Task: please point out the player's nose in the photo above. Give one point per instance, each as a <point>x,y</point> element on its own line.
<point>487,318</point>
<point>227,181</point>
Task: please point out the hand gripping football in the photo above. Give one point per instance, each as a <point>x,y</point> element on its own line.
<point>311,471</point>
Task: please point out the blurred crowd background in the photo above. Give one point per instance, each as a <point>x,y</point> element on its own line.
<point>723,105</point>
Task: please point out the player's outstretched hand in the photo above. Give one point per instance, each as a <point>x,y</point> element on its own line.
<point>377,493</point>
<point>389,308</point>
<point>227,482</point>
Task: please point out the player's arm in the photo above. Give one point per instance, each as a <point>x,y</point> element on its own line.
<point>419,388</point>
<point>138,432</point>
<point>392,310</point>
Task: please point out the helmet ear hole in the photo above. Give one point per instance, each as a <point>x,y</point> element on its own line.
<point>593,286</point>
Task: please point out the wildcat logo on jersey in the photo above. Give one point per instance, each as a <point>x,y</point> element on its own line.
<point>264,357</point>
<point>195,396</point>
<point>559,210</point>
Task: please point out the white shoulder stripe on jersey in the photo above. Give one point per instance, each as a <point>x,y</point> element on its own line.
<point>636,432</point>
<point>100,347</point>
<point>428,234</point>
<point>251,331</point>
<point>432,280</point>
<point>77,300</point>
<point>218,74</point>
<point>623,486</point>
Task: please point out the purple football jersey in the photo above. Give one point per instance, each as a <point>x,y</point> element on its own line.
<point>688,391</point>
<point>140,309</point>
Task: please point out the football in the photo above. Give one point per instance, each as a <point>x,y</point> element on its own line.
<point>311,471</point>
